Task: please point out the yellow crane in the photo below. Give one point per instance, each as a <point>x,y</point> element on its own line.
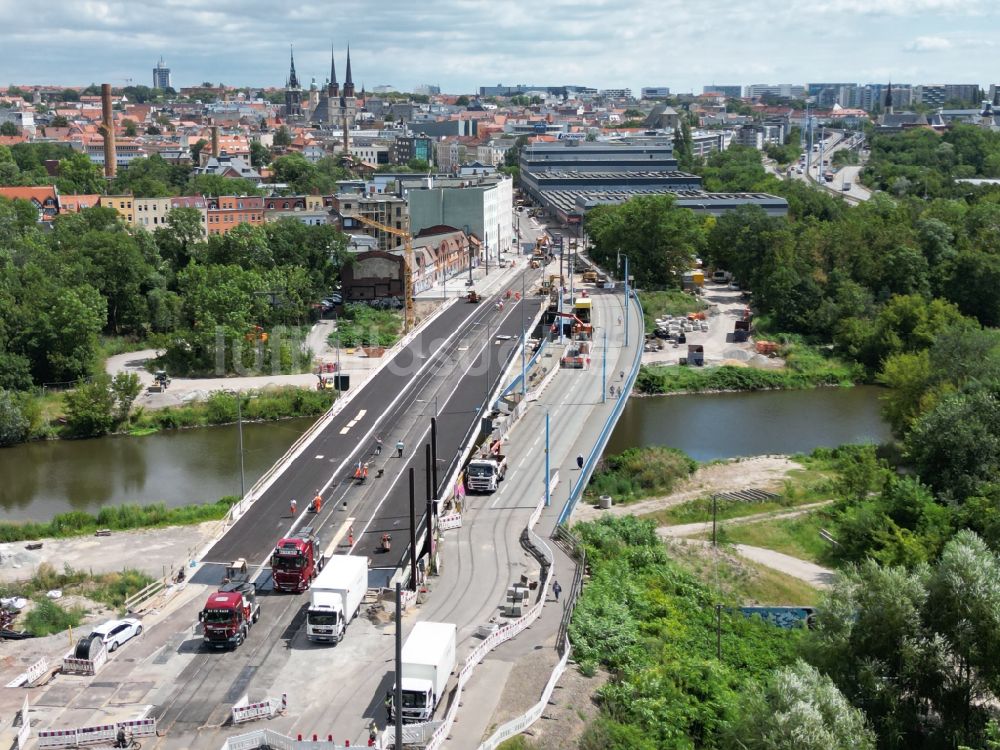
<point>408,262</point>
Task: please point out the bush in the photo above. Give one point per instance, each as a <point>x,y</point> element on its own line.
<point>640,472</point>
<point>47,618</point>
<point>362,325</point>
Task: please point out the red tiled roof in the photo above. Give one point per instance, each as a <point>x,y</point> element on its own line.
<point>40,194</point>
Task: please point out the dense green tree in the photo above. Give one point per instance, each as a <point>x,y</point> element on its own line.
<point>78,174</point>
<point>59,121</point>
<point>260,155</point>
<point>799,709</point>
<point>196,148</point>
<point>178,239</point>
<point>90,408</point>
<point>660,239</point>
<point>9,128</point>
<point>13,422</point>
<point>282,137</point>
<point>130,128</point>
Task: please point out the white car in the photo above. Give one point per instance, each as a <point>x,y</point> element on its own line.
<point>116,632</point>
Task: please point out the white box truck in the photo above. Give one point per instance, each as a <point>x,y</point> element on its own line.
<point>428,661</point>
<point>336,596</point>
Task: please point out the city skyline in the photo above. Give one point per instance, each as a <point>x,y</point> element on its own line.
<point>476,44</point>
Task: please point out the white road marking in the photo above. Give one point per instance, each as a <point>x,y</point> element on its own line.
<point>319,456</point>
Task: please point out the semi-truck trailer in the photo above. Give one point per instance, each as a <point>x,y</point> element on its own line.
<point>336,596</point>
<point>428,661</point>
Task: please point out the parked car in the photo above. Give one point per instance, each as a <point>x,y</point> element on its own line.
<point>116,632</point>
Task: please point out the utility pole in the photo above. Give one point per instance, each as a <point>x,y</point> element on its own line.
<point>604,368</point>
<point>397,710</point>
<point>524,344</point>
<point>434,455</point>
<point>429,498</point>
<point>239,422</point>
<point>413,538</point>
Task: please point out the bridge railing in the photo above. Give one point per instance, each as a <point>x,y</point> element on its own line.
<point>602,439</point>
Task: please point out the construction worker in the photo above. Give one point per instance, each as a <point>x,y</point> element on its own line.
<point>372,733</point>
<point>317,502</point>
<point>364,472</point>
<point>386,542</point>
<point>388,705</point>
<point>294,506</point>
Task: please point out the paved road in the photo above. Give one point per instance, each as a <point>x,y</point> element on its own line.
<point>447,359</point>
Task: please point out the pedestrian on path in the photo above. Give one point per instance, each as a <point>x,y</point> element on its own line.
<point>579,462</point>
<point>556,589</point>
<point>294,506</point>
<point>621,374</point>
<point>399,448</point>
<point>378,446</point>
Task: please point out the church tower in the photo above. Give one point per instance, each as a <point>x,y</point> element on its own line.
<point>333,88</point>
<point>293,92</point>
<point>888,98</point>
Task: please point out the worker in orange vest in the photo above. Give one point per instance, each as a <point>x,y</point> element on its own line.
<point>317,502</point>
<point>294,506</point>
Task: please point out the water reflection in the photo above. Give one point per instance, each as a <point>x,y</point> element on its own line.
<point>38,480</point>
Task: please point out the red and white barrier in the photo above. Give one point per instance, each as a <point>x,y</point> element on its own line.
<point>25,731</point>
<point>450,521</point>
<point>72,665</point>
<point>245,711</point>
<point>31,674</point>
<point>99,734</point>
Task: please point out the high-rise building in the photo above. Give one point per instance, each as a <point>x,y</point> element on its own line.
<point>655,92</point>
<point>161,76</point>
<point>780,91</point>
<point>825,95</point>
<point>730,92</point>
<point>937,94</point>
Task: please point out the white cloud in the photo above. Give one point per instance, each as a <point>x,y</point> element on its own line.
<point>928,44</point>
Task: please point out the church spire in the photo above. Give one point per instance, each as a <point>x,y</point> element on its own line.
<point>348,82</point>
<point>888,98</point>
<point>334,87</point>
<point>293,81</point>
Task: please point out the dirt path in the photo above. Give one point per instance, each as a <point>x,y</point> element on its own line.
<point>811,573</point>
<point>760,472</point>
<point>690,529</point>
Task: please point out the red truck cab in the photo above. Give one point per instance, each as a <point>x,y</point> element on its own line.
<point>296,561</point>
<point>229,614</point>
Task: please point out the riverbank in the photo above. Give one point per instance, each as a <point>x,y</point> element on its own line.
<point>803,370</point>
<point>161,550</point>
<point>115,518</point>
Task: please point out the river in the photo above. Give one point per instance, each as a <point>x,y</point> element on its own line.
<point>175,467</point>
<point>726,425</point>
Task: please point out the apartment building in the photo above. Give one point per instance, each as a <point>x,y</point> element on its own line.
<point>227,212</point>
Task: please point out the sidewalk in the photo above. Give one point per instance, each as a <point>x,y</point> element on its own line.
<point>511,678</point>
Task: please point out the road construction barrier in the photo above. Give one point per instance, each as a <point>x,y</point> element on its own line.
<point>31,674</point>
<point>450,521</point>
<point>72,665</point>
<point>246,711</point>
<point>99,734</point>
<point>270,740</point>
<point>25,731</point>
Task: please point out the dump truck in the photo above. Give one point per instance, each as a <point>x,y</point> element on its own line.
<point>297,560</point>
<point>484,474</point>
<point>336,597</point>
<point>229,614</point>
<point>428,661</point>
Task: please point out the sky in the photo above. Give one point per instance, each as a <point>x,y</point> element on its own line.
<point>463,44</point>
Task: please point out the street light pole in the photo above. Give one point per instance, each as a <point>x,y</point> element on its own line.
<point>239,422</point>
<point>626,298</point>
<point>604,368</point>
<point>524,343</point>
<point>548,498</point>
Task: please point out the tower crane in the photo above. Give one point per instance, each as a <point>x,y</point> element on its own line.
<point>408,263</point>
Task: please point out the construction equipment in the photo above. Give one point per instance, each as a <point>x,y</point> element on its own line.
<point>408,264</point>
<point>473,296</point>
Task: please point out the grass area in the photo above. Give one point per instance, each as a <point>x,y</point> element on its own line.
<point>640,472</point>
<point>361,325</point>
<point>117,518</point>
<point>803,487</point>
<point>48,616</point>
<point>806,366</point>
<point>220,408</point>
<point>740,579</point>
<point>798,537</point>
<point>669,302</point>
